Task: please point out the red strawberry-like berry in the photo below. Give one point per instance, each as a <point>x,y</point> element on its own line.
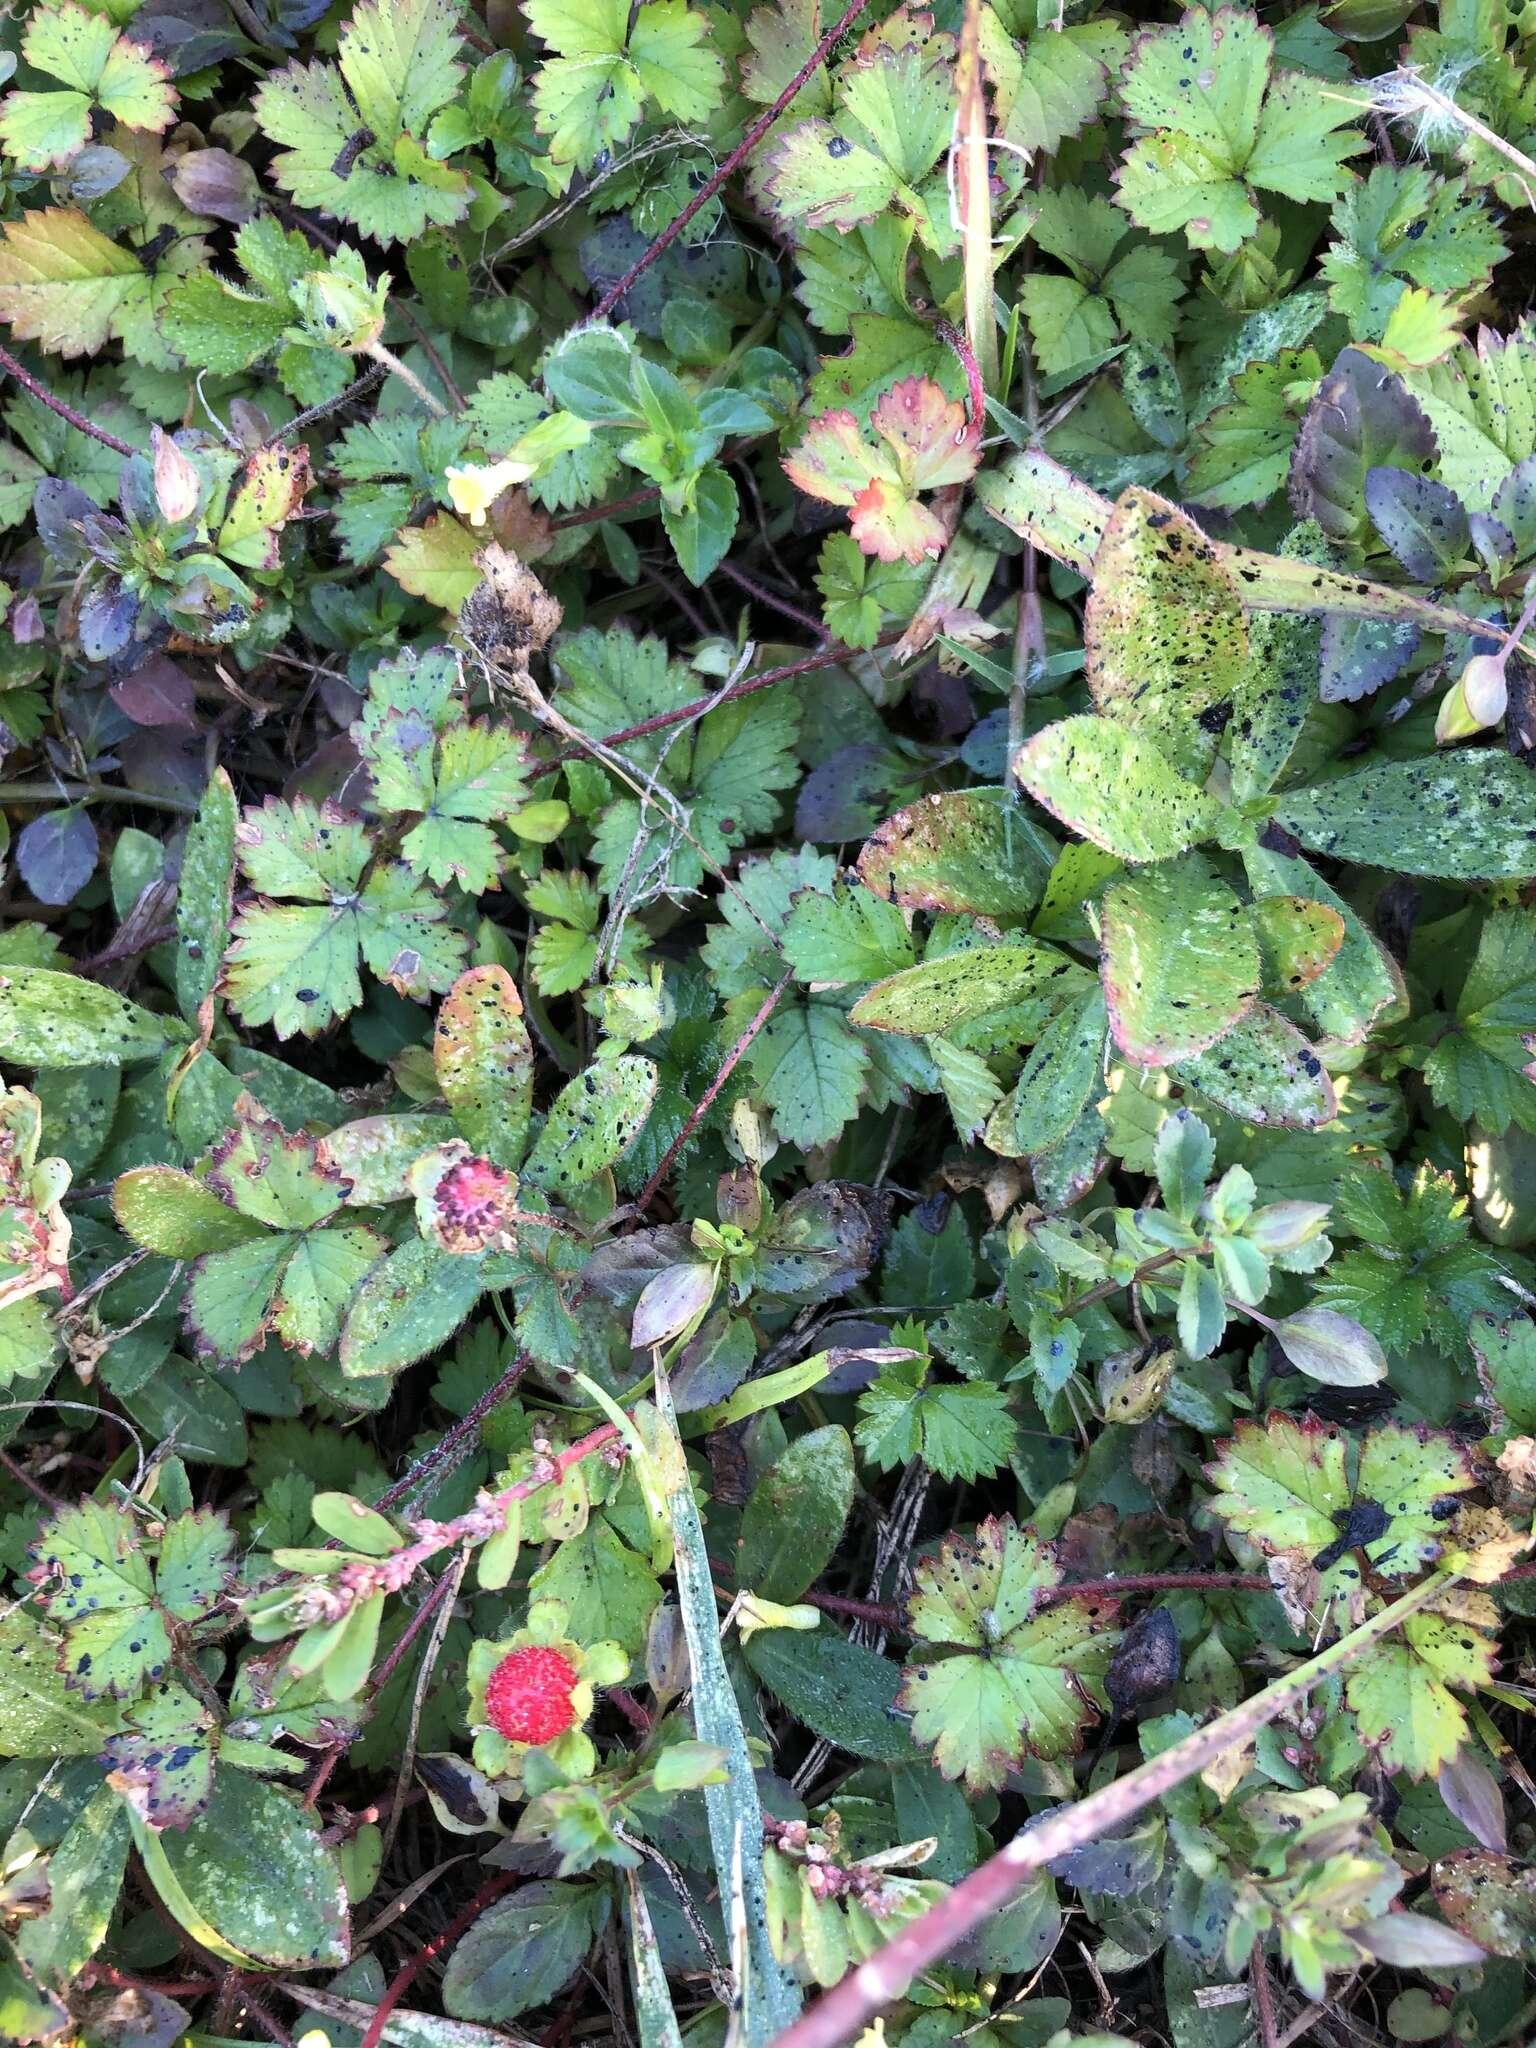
<point>528,1698</point>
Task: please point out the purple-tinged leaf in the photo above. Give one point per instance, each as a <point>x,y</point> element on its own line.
<point>1359,655</point>
<point>1472,1796</point>
<point>57,854</point>
<point>1423,523</point>
<point>159,693</point>
<point>1361,417</point>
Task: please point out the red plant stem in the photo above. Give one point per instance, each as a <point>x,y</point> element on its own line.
<point>976,406</point>
<point>450,1440</point>
<point>187,1987</point>
<point>593,515</point>
<point>367,1576</point>
<point>638,1717</point>
<point>701,1108</point>
<point>1263,2003</point>
<point>407,1974</point>
<point>729,164</point>
<point>826,657</point>
<point>879,1616</point>
<point>25,378</point>
<point>409,1633</point>
<point>323,1770</point>
<point>771,598</point>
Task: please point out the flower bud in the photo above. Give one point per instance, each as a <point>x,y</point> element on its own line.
<point>1132,1385</point>
<point>670,1303</point>
<point>756,1611</point>
<point>339,312</point>
<point>214,183</point>
<point>178,487</point>
<point>1476,699</point>
<point>1485,686</point>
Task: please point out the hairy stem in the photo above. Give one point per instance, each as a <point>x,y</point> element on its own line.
<point>40,391</point>
<point>728,165</point>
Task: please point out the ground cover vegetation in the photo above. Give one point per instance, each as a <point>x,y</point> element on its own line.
<point>767,1011</point>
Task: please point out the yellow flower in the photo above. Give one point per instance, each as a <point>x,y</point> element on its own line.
<point>475,487</point>
<point>754,1611</point>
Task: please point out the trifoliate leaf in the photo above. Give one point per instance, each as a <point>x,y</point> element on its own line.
<point>226,327</point>
<point>1050,85</point>
<point>1246,446</point>
<point>298,1276</point>
<point>322,906</point>
<point>1481,1070</point>
<point>427,756</point>
<point>890,128</point>
<point>92,1568</point>
<point>350,134</point>
<point>858,593</point>
<point>1416,1275</point>
<point>1119,284</point>
<point>1301,1485</point>
<point>99,67</point>
<point>963,1432</point>
<point>1223,123</point>
<point>1401,225</point>
<point>609,60</point>
<point>1021,1677</point>
<point>1400,1691</point>
<point>724,770</point>
<point>922,442</point>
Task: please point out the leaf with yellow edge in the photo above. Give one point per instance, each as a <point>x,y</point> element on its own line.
<point>64,284</point>
<point>1400,1691</point>
<point>268,495</point>
<point>1421,328</point>
<point>1167,639</point>
<point>1001,1675</point>
<point>96,67</point>
<point>436,561</point>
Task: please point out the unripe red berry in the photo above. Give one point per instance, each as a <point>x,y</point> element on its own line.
<point>528,1698</point>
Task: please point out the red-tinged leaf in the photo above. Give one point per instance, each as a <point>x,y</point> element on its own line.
<point>933,442</point>
<point>832,462</point>
<point>159,693</point>
<point>895,528</point>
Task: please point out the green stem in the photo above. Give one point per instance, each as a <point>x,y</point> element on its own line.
<point>407,376</point>
<point>88,793</point>
<point>1143,1272</point>
<point>767,1996</point>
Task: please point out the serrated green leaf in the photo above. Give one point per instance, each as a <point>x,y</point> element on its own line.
<point>1020,1678</point>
